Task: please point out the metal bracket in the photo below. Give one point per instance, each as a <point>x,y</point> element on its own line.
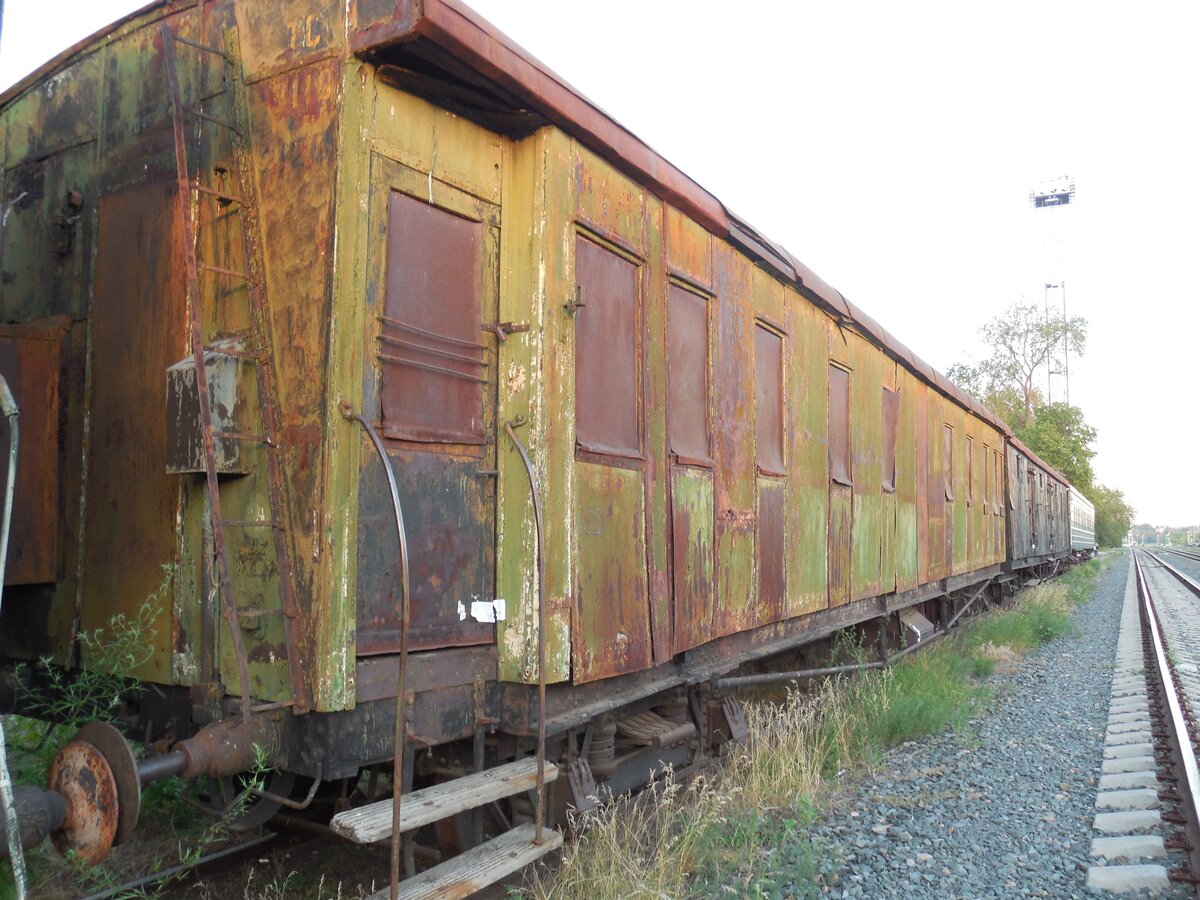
<point>575,304</point>
<point>503,329</point>
<point>736,719</point>
<point>583,785</point>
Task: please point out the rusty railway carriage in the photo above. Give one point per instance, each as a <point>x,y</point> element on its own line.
<point>389,210</point>
<point>1039,502</point>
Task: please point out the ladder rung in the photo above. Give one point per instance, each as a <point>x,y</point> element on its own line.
<point>267,707</point>
<point>231,272</point>
<point>242,436</point>
<point>205,47</point>
<point>487,864</point>
<point>373,822</point>
<point>252,355</point>
<point>254,614</point>
<point>200,114</point>
<point>223,196</point>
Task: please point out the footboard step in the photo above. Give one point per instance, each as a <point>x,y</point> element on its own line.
<point>474,870</point>
<point>371,823</point>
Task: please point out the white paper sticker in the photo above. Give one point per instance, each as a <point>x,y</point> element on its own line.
<point>488,610</point>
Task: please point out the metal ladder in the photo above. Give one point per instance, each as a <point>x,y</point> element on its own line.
<point>192,191</point>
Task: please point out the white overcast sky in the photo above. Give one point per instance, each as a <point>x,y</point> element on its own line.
<point>892,147</point>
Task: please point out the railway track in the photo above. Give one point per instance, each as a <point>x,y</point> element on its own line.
<point>1151,775</point>
<point>1186,554</point>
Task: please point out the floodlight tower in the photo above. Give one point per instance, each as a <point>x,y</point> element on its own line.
<point>1055,194</point>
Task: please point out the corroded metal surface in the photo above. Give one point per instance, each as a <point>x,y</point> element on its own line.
<point>692,556</point>
<point>81,774</point>
<point>733,457</point>
<point>32,358</point>
<point>119,756</point>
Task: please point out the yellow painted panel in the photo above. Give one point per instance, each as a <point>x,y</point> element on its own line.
<point>612,633</point>
<point>689,247</point>
<point>866,442</point>
<point>609,201</point>
<point>536,383</point>
<point>440,145</point>
<point>807,505</point>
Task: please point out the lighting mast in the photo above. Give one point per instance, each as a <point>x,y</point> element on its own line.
<point>1053,194</point>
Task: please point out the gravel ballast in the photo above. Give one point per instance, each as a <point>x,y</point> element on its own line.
<point>1002,808</point>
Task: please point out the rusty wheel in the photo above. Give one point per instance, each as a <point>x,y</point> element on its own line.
<point>119,756</point>
<point>82,775</point>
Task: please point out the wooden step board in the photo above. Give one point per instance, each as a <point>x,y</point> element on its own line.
<point>371,823</point>
<point>474,870</point>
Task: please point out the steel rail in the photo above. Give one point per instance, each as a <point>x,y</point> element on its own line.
<point>1190,583</point>
<point>1180,736</point>
<point>1186,554</point>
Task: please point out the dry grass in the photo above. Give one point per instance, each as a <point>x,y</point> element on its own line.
<point>640,848</point>
<point>740,832</point>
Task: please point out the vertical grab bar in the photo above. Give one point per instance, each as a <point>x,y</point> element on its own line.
<point>398,755</point>
<point>541,594</point>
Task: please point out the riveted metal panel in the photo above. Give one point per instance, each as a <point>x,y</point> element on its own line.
<point>285,34</point>
<point>46,241</point>
<point>890,412</point>
<point>610,203</point>
<point>807,500</point>
<point>692,555</point>
<point>839,425</point>
<point>689,393</point>
<point>841,496</point>
<point>841,504</point>
<point>772,588</point>
<point>768,406</point>
<point>611,633</point>
<point>689,247</point>
<point>866,418</point>
<point>130,534</point>
<point>434,274</point>
<point>887,543</point>
<point>907,490</point>
<point>890,402</point>
<point>430,342</point>
<point>934,514</point>
<point>607,351</point>
<point>31,360</point>
<point>447,516</point>
<point>537,382</point>
<point>733,442</point>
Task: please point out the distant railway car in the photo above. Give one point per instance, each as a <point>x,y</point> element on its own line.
<point>1083,524</point>
<point>281,276</point>
<point>1039,525</point>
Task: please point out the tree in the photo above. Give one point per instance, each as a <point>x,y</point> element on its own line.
<point>1005,401</point>
<point>1023,344</point>
<point>1060,436</point>
<point>1114,517</point>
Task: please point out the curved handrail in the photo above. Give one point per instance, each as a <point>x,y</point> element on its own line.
<point>539,813</point>
<point>398,753</point>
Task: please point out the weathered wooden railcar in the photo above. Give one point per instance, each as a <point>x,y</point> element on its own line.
<point>390,211</point>
<point>1038,499</point>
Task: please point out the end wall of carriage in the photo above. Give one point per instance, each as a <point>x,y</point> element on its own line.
<point>93,236</point>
